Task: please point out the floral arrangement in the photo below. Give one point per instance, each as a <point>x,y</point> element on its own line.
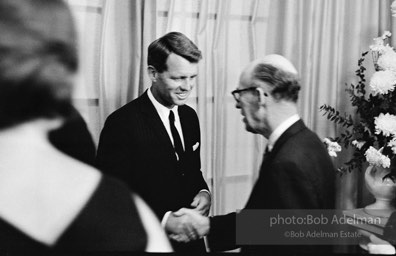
<point>373,131</point>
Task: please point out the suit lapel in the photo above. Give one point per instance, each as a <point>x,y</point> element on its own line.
<point>154,121</point>
<point>291,131</point>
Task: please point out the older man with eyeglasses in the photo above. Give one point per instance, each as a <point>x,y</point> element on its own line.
<point>296,172</point>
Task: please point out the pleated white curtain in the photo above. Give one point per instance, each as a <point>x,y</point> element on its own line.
<point>114,36</point>
<point>128,28</point>
<point>323,38</point>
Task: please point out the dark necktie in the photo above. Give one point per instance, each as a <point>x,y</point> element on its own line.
<point>176,137</point>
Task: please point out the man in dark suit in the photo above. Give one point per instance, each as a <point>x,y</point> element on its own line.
<point>296,172</point>
<point>153,142</point>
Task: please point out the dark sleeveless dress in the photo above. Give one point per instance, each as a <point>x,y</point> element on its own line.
<point>108,222</point>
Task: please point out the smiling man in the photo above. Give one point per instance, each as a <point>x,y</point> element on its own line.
<point>153,142</point>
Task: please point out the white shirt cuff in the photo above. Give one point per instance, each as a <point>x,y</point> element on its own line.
<point>207,191</point>
<point>165,219</point>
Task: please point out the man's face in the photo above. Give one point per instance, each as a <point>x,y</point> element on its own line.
<point>248,100</point>
<point>173,86</point>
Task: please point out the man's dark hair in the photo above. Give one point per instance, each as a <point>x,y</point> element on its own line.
<point>285,85</point>
<point>173,42</point>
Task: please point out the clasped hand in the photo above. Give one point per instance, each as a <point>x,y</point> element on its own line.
<point>186,225</point>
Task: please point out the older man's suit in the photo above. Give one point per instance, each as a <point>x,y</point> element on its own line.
<point>135,147</point>
<point>297,174</point>
<point>390,229</point>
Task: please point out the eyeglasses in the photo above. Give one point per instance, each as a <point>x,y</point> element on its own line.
<point>237,93</point>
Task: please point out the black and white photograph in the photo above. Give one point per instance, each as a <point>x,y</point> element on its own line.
<point>257,127</point>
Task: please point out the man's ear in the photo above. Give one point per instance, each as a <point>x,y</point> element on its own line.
<point>262,95</point>
<point>153,73</point>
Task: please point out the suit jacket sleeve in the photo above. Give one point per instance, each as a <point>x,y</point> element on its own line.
<point>113,149</point>
<point>390,229</point>
<point>222,234</point>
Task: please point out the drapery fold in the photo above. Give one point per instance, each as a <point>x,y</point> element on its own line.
<point>128,29</point>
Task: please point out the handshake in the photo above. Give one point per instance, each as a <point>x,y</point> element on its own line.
<point>186,225</point>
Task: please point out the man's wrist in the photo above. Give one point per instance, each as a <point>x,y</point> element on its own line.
<point>165,219</point>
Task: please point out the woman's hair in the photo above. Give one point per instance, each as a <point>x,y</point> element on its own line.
<point>173,42</point>
<point>38,58</point>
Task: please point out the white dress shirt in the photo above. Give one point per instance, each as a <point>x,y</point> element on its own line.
<point>280,130</point>
<point>163,112</point>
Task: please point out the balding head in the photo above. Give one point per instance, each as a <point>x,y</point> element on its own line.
<point>279,62</point>
<point>274,60</point>
<point>277,73</point>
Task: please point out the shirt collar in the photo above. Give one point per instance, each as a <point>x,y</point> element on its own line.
<point>280,130</point>
<point>161,109</point>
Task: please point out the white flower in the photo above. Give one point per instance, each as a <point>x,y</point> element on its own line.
<point>385,123</point>
<point>332,147</point>
<point>332,153</point>
<point>358,144</point>
<point>383,82</point>
<point>392,144</point>
<point>387,59</point>
<point>378,45</point>
<point>386,34</point>
<point>393,8</point>
<point>375,157</point>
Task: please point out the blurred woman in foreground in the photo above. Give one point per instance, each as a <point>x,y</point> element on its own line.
<point>49,201</point>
